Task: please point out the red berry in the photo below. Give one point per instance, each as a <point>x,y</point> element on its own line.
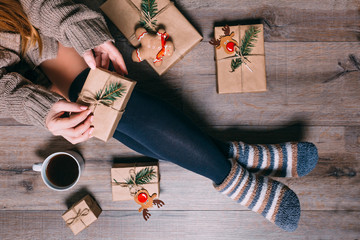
<point>230,46</point>
<point>142,197</point>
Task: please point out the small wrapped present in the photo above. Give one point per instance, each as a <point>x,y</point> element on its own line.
<point>129,178</point>
<point>127,15</point>
<point>240,58</point>
<point>106,93</point>
<point>82,214</point>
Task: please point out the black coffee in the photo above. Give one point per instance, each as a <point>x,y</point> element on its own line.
<point>62,170</point>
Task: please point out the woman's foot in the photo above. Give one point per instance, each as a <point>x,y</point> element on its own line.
<point>291,159</point>
<point>272,199</point>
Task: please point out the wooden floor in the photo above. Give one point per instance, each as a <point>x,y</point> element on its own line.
<point>313,95</point>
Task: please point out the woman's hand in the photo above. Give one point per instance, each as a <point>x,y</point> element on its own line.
<point>74,128</point>
<point>103,54</point>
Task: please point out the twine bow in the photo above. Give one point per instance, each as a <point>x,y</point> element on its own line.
<point>243,59</point>
<point>133,187</point>
<point>146,17</point>
<point>78,216</point>
<point>89,97</point>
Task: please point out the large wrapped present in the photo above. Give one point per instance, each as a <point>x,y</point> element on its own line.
<point>106,93</point>
<point>240,58</point>
<point>128,178</point>
<point>127,15</point>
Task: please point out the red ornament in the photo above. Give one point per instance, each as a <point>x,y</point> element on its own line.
<point>230,46</point>
<point>142,197</point>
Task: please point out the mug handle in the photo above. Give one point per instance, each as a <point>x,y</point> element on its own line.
<point>37,167</point>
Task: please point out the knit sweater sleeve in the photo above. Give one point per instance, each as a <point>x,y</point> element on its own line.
<point>72,24</point>
<point>21,99</point>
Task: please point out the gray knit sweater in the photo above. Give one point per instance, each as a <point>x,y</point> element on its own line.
<point>73,25</point>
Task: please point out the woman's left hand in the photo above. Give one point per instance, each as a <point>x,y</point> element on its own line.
<point>103,54</point>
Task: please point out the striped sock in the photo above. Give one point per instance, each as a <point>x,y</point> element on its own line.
<point>272,199</point>
<point>289,159</point>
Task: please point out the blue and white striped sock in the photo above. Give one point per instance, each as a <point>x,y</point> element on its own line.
<point>291,159</point>
<point>272,199</point>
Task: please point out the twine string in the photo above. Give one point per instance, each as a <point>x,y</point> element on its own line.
<point>133,186</point>
<point>78,216</point>
<point>244,59</point>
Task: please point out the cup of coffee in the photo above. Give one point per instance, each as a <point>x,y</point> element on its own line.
<point>61,170</point>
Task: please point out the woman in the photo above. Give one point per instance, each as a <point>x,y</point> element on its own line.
<point>62,44</point>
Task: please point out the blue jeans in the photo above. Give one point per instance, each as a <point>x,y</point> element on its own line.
<point>153,128</point>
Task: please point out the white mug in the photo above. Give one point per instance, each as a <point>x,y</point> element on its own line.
<point>61,170</point>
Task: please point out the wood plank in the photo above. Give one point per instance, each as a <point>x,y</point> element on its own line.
<point>333,185</point>
<point>179,225</point>
<point>299,89</point>
<point>304,21</point>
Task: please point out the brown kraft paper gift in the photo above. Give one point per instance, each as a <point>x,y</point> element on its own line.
<point>82,214</point>
<point>126,14</point>
<point>106,118</point>
<point>121,171</point>
<point>242,79</point>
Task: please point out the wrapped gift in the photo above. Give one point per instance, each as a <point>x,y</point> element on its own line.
<point>127,14</point>
<point>128,178</point>
<point>82,214</point>
<point>106,93</point>
<point>240,58</point>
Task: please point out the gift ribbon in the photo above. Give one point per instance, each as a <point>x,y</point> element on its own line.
<point>159,57</point>
<point>78,216</point>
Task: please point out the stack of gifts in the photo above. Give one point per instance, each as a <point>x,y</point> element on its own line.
<point>240,58</point>
<point>128,15</point>
<point>106,93</point>
<point>82,214</point>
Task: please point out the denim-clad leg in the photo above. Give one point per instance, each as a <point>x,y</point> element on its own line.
<point>153,128</point>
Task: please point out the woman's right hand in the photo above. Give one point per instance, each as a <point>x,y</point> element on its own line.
<point>74,128</point>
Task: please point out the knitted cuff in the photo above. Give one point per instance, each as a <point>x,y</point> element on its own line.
<point>38,104</point>
<point>86,35</point>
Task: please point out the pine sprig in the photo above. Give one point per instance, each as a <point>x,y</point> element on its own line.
<point>112,92</point>
<point>149,11</point>
<point>247,43</point>
<point>144,176</point>
<point>235,63</point>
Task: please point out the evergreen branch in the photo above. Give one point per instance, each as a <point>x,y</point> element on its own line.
<point>149,11</point>
<point>149,7</point>
<point>247,43</point>
<point>235,63</point>
<point>112,92</point>
<point>144,176</point>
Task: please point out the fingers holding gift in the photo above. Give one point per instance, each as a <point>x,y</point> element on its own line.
<point>72,121</point>
<point>76,131</point>
<point>85,136</point>
<point>79,133</point>
<point>101,55</point>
